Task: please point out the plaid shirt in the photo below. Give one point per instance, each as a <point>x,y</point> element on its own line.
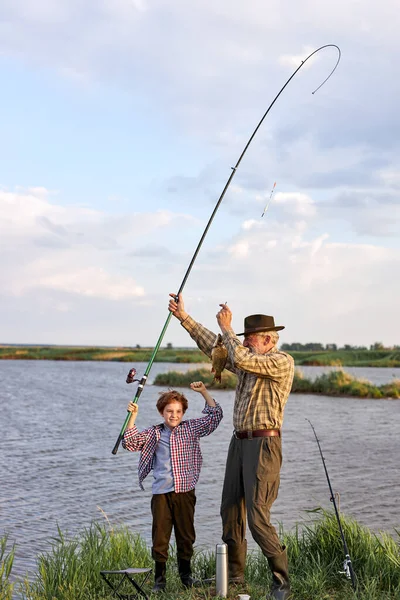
<point>264,380</point>
<point>186,458</point>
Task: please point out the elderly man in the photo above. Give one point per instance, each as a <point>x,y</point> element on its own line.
<point>252,474</point>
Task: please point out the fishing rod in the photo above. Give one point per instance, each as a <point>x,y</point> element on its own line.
<point>347,564</point>
<point>143,380</point>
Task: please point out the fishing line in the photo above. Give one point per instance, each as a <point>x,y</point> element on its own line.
<point>347,564</point>
<point>143,380</point>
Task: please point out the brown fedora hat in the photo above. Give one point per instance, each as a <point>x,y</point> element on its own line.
<point>256,323</point>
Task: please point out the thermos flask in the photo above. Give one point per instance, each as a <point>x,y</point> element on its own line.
<point>221,574</point>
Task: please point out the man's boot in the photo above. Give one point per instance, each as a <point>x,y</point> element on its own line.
<point>160,578</point>
<point>185,573</point>
<point>280,589</point>
<point>236,563</point>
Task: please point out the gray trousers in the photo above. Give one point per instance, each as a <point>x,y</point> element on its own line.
<point>251,484</point>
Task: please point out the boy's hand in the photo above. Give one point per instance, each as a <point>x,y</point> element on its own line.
<point>198,386</point>
<point>132,408</point>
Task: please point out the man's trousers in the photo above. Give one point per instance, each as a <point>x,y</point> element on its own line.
<point>251,484</point>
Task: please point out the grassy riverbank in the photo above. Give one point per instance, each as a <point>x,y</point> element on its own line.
<point>354,358</point>
<point>335,383</point>
<point>117,354</point>
<point>70,571</point>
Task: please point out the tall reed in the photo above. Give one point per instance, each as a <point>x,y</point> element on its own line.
<point>6,564</point>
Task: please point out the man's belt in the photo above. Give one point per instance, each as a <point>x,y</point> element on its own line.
<point>248,435</point>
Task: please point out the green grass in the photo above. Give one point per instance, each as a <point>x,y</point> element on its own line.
<point>84,353</point>
<point>358,358</point>
<point>336,383</point>
<point>70,570</point>
<point>348,358</point>
<point>6,564</point>
<point>176,379</point>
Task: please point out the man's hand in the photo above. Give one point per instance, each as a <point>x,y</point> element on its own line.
<point>224,318</point>
<point>177,307</point>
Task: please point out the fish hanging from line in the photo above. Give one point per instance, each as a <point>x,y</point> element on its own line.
<point>219,356</point>
<point>269,199</point>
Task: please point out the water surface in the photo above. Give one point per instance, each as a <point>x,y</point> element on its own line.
<point>60,420</point>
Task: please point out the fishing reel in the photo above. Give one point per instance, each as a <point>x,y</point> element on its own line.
<point>131,375</point>
<point>346,568</point>
<point>349,571</point>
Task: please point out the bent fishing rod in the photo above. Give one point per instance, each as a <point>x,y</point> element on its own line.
<point>143,380</point>
<point>347,564</point>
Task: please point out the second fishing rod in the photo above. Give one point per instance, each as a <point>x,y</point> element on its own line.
<point>347,564</point>
<point>144,378</point>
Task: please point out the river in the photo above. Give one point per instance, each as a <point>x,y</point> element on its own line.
<point>60,420</point>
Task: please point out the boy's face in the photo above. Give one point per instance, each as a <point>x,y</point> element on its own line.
<point>173,414</point>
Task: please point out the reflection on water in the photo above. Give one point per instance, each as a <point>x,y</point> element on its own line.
<point>60,421</point>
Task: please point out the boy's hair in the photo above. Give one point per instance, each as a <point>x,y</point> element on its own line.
<point>171,396</point>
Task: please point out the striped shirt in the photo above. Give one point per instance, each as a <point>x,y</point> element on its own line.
<point>186,458</point>
<point>264,380</point>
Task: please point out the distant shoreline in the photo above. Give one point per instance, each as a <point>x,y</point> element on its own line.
<point>336,383</point>
<point>339,358</point>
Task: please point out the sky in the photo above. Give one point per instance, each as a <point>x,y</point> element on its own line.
<point>120,123</point>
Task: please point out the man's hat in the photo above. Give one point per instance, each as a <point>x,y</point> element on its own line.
<point>258,323</point>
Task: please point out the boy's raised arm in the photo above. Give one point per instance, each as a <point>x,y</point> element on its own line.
<point>198,386</point>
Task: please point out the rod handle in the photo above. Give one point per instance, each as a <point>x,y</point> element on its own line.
<point>121,434</point>
<point>117,443</point>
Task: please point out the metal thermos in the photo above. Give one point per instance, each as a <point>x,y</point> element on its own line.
<point>221,571</point>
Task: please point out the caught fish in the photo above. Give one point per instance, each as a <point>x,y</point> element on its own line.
<point>219,356</point>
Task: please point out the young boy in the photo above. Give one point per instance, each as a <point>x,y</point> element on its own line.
<point>172,450</point>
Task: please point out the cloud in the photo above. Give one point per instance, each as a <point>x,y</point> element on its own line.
<point>296,204</point>
<point>72,249</point>
<point>88,281</point>
<point>152,251</point>
<point>200,75</point>
<point>316,284</point>
<point>368,212</point>
<point>295,60</point>
<point>281,267</point>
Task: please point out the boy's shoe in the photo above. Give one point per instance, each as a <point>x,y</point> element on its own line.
<point>160,579</point>
<point>185,573</point>
<point>236,580</point>
<point>189,582</point>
